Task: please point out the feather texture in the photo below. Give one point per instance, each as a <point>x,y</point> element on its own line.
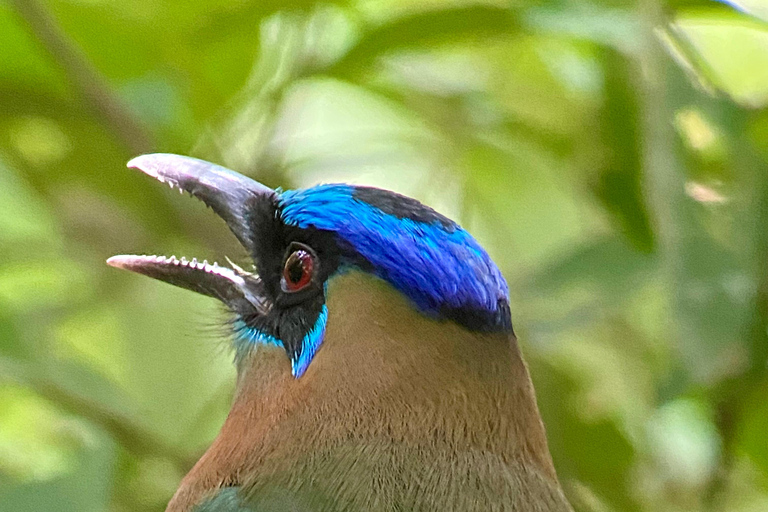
<point>427,257</point>
<point>399,411</point>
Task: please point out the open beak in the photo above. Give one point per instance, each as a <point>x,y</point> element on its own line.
<point>230,195</point>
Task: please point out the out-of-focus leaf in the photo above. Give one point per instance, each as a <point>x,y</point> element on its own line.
<point>245,17</point>
<point>31,445</point>
<point>750,435</point>
<point>185,352</point>
<point>25,221</point>
<point>685,442</point>
<point>92,336</point>
<point>573,440</point>
<point>39,283</point>
<point>712,298</point>
<point>21,59</point>
<point>614,27</point>
<point>315,113</point>
<point>754,7</point>
<point>619,185</point>
<point>503,185</point>
<point>78,457</point>
<point>474,22</point>
<point>608,264</point>
<point>731,53</point>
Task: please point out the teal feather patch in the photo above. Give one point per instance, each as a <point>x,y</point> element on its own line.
<point>230,499</point>
<point>246,336</point>
<point>226,500</point>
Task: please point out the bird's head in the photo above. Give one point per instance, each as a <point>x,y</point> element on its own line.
<point>300,239</point>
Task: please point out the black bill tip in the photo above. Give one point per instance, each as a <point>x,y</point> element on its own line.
<point>228,193</point>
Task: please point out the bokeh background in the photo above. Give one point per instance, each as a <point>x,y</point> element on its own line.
<point>611,155</point>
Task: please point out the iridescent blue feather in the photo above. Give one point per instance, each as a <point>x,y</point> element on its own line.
<point>438,267</point>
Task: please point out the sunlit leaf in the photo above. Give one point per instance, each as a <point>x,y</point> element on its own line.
<point>754,7</point>
<point>734,51</point>
<point>475,23</point>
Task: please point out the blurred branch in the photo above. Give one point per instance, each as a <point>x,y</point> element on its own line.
<point>132,436</point>
<point>726,420</point>
<point>664,181</point>
<point>85,78</point>
<point>695,65</point>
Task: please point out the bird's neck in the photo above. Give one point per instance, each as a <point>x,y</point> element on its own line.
<point>386,378</point>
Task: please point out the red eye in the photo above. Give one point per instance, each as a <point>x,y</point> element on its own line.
<point>298,270</point>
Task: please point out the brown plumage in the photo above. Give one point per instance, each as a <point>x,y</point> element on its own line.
<point>397,412</point>
<point>351,394</point>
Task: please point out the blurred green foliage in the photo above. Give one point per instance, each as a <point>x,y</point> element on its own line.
<point>613,157</point>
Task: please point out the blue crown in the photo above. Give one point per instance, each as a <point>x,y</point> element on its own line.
<point>424,255</point>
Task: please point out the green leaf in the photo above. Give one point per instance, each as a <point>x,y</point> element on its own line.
<point>619,186</point>
<point>72,462</point>
<point>754,7</point>
<point>608,264</point>
<point>581,446</point>
<point>425,29</point>
<point>750,434</point>
<point>730,52</point>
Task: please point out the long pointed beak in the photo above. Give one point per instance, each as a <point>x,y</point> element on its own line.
<point>226,192</point>
<point>231,196</point>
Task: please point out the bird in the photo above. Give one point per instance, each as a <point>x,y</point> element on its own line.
<point>377,366</point>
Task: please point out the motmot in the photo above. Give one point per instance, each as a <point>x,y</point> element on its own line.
<point>377,366</point>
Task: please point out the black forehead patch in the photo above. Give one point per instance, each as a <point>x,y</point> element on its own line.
<point>401,207</point>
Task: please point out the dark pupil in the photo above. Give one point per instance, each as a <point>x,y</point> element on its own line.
<point>296,269</point>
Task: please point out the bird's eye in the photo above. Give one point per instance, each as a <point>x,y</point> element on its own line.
<point>298,271</point>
